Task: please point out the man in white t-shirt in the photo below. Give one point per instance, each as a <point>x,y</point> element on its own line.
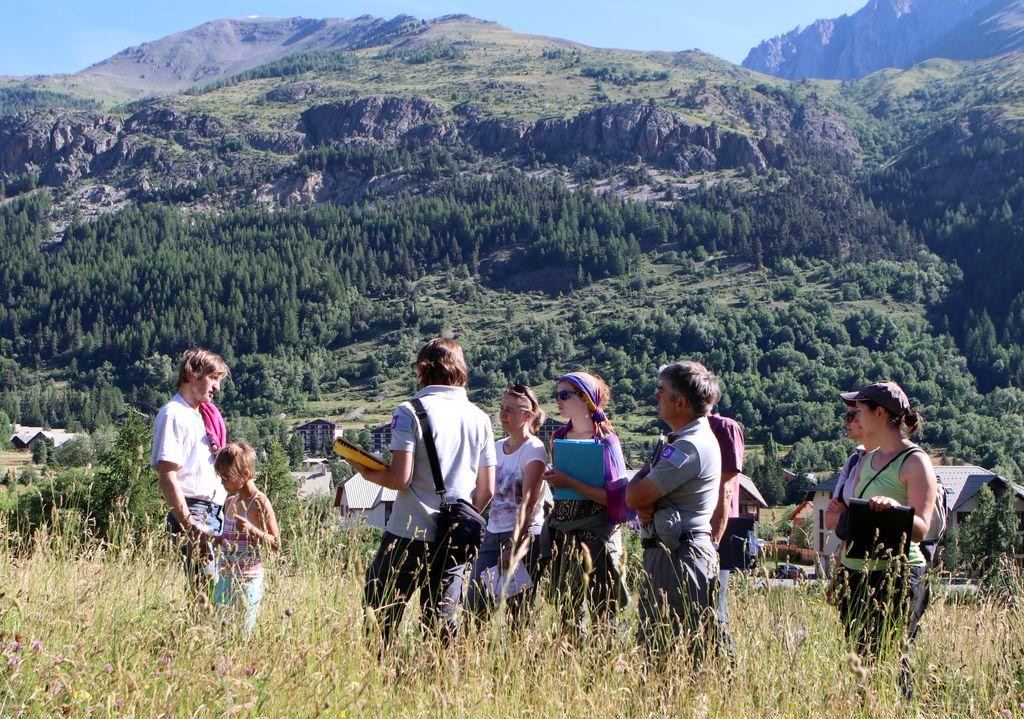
<point>183,459</point>
<point>409,557</point>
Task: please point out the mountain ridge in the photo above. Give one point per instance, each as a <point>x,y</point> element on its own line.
<point>890,33</point>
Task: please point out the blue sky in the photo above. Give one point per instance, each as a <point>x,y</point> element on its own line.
<point>49,36</point>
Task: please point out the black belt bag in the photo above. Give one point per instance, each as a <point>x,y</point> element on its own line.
<point>460,528</point>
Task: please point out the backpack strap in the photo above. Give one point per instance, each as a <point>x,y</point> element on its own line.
<point>427,432</point>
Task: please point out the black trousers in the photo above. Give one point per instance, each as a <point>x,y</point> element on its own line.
<point>882,610</point>
<point>400,567</point>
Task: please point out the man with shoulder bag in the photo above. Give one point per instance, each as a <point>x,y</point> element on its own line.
<point>443,460</point>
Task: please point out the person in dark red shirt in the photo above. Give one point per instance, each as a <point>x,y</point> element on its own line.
<point>730,439</point>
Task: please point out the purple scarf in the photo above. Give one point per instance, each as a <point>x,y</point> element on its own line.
<point>216,430</point>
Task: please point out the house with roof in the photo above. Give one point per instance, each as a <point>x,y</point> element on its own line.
<point>315,482</point>
<point>751,501</point>
<point>317,435</point>
<point>961,482</point>
<point>361,501</point>
<point>26,438</point>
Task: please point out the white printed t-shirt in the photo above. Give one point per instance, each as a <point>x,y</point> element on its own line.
<point>465,442</point>
<point>508,486</point>
<point>179,436</point>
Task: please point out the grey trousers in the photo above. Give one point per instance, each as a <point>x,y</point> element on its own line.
<point>678,596</point>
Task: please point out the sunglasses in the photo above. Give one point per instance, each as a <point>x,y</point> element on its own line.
<point>564,394</point>
<point>850,416</point>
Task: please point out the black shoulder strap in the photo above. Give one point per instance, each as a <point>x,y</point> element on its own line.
<point>905,453</point>
<point>428,443</point>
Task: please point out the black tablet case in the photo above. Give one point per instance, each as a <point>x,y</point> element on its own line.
<point>878,534</point>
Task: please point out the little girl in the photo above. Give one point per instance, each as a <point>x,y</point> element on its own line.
<point>249,523</point>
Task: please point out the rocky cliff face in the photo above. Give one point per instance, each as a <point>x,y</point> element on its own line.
<point>60,146</point>
<point>173,147</point>
<point>884,33</point>
<point>618,132</point>
<point>388,120</point>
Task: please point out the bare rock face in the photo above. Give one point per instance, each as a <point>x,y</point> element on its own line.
<point>617,131</point>
<point>622,131</point>
<point>283,143</point>
<point>294,92</point>
<point>63,146</point>
<point>388,120</point>
<point>59,145</point>
<point>184,128</point>
<point>884,33</point>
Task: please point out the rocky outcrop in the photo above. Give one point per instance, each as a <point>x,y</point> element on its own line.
<point>617,131</point>
<point>884,33</point>
<point>283,143</point>
<point>388,120</point>
<point>294,92</point>
<point>63,146</point>
<point>60,146</point>
<point>187,129</point>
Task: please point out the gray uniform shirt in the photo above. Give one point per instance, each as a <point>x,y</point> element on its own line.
<point>688,474</point>
<point>465,442</point>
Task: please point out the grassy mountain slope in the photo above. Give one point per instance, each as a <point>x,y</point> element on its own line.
<point>450,175</point>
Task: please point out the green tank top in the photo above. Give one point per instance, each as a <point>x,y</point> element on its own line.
<point>886,484</point>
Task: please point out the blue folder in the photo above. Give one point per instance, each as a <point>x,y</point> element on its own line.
<point>581,459</point>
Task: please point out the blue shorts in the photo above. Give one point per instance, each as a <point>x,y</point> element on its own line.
<point>198,559</point>
<point>242,594</point>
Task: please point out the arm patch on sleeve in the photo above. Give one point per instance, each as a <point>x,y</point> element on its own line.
<point>401,422</point>
<point>674,456</point>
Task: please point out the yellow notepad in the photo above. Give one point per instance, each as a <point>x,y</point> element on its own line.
<point>354,453</point>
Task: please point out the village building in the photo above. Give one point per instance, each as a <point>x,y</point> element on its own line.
<point>380,438</point>
<point>363,502</point>
<point>318,435</point>
<point>26,438</point>
<point>313,483</point>
<point>751,502</point>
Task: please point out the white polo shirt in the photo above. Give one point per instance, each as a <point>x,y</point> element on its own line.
<point>465,442</point>
<point>179,436</point>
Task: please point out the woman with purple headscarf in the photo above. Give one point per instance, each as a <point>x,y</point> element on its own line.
<point>587,561</point>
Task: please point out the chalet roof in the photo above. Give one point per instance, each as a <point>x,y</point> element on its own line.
<point>748,486</point>
<point>315,422</point>
<point>364,495</point>
<point>964,481</point>
<point>25,434</point>
<point>961,481</point>
<point>316,485</point>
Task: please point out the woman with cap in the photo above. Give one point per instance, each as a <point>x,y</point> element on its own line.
<point>587,561</point>
<point>882,600</point>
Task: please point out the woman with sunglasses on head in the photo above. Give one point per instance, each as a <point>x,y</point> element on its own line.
<point>517,509</point>
<point>882,601</point>
<point>587,561</point>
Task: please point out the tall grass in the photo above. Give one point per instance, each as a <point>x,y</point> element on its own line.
<point>89,628</point>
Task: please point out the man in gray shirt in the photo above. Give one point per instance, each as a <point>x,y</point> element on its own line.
<point>675,500</point>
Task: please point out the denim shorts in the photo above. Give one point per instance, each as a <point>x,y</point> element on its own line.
<point>210,517</point>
